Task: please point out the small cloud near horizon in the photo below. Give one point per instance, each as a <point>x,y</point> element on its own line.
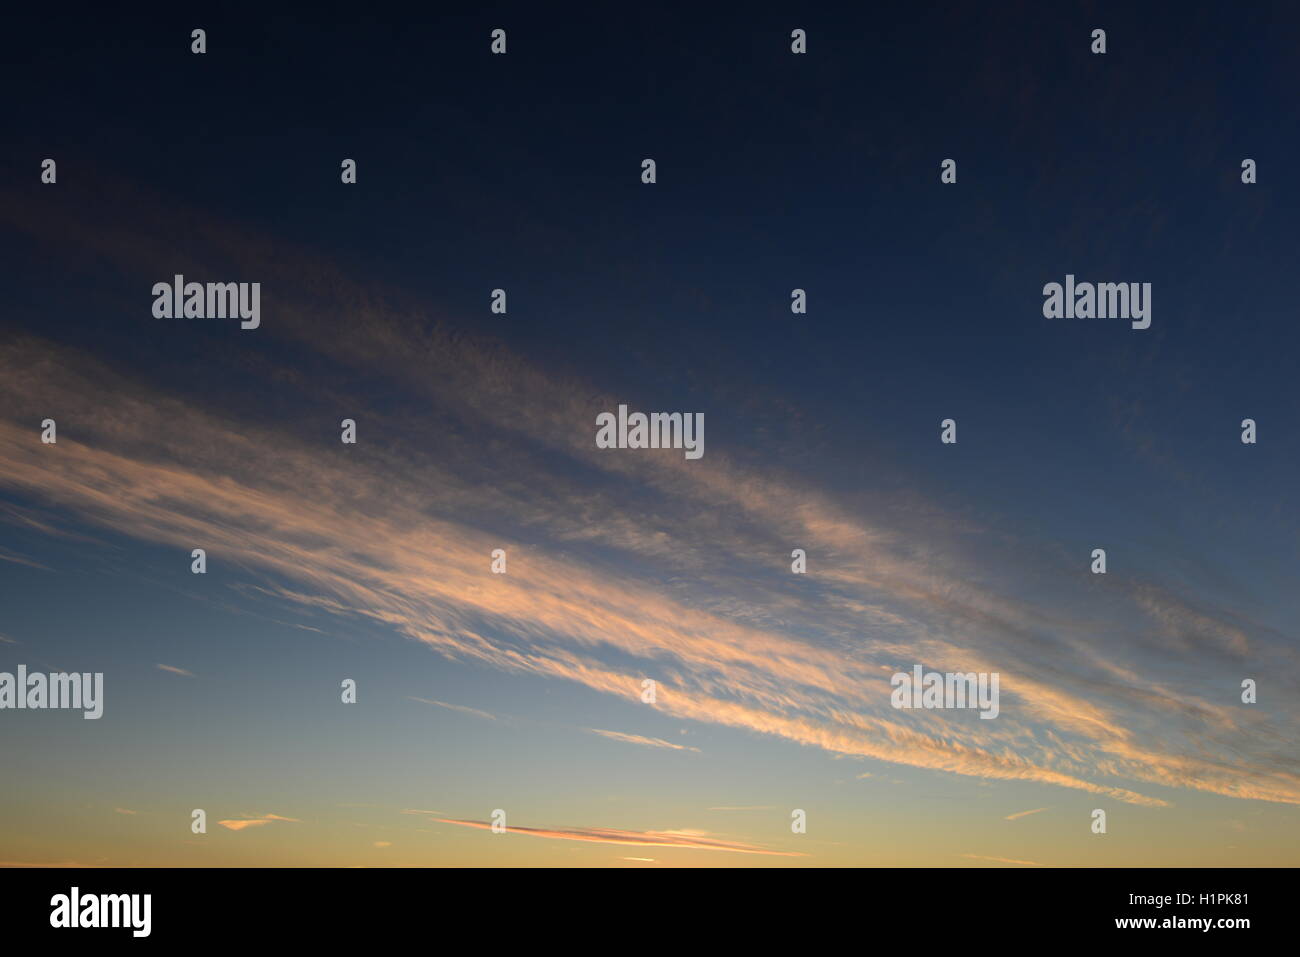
<point>690,839</point>
<point>642,740</point>
<point>1003,860</point>
<point>242,823</point>
<point>1020,814</point>
<point>463,709</point>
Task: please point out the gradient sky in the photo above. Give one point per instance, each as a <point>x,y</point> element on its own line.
<point>476,431</point>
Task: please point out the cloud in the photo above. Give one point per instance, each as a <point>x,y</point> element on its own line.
<point>174,670</point>
<point>693,840</point>
<point>457,707</point>
<point>294,513</point>
<point>644,741</point>
<point>7,556</point>
<point>1020,814</point>
<point>123,810</point>
<point>1003,860</point>
<point>43,864</point>
<point>688,583</point>
<point>744,807</point>
<point>240,824</point>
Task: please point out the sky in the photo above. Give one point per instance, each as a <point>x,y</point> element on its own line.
<point>522,692</point>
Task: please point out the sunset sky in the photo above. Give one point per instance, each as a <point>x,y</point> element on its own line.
<point>522,691</point>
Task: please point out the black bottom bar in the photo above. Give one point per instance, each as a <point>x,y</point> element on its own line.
<point>620,909</point>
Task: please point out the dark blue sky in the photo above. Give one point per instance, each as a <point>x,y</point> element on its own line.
<point>775,171</point>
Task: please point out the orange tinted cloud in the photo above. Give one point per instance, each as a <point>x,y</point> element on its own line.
<point>1019,814</point>
<point>394,562</point>
<point>1003,860</point>
<point>641,740</point>
<point>694,840</point>
<point>357,539</point>
<point>240,824</point>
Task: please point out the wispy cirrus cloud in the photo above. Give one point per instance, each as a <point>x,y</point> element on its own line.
<point>642,740</point>
<point>463,709</point>
<point>174,670</point>
<point>691,585</point>
<point>396,563</point>
<point>47,864</point>
<point>8,556</point>
<point>1003,860</point>
<point>693,840</point>
<point>240,824</point>
<point>1019,814</point>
